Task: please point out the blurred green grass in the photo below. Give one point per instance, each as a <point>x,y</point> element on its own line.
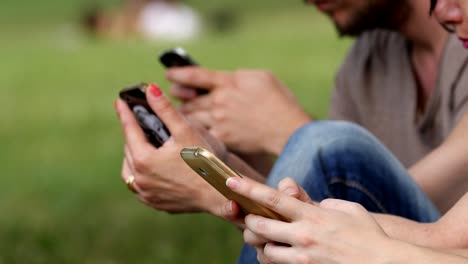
<point>62,200</point>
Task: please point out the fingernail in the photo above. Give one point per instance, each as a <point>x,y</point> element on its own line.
<point>229,207</point>
<point>155,90</point>
<point>291,191</point>
<point>233,183</point>
<point>116,104</point>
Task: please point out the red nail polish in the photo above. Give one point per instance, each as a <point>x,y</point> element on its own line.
<point>155,90</point>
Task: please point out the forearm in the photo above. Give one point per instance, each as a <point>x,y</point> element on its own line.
<point>450,231</point>
<point>402,252</point>
<point>443,173</point>
<point>421,234</point>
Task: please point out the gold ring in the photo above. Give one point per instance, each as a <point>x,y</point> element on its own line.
<point>129,182</point>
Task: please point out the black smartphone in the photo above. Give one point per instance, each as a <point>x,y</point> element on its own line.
<point>178,57</point>
<point>155,130</point>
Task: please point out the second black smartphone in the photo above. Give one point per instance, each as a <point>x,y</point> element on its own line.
<point>178,57</point>
<point>155,130</point>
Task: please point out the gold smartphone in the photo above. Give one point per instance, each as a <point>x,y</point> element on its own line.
<point>215,172</point>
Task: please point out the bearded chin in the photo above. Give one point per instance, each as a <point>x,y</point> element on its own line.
<point>380,14</point>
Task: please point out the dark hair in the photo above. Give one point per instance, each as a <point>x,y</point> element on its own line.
<point>433,5</point>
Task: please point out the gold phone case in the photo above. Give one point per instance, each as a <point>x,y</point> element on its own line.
<point>215,172</point>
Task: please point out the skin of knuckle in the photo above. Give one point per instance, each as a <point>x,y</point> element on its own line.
<point>261,226</point>
<point>286,183</point>
<point>164,107</point>
<point>219,99</point>
<point>327,203</point>
<point>360,207</point>
<point>304,240</point>
<point>143,183</point>
<point>289,181</point>
<point>219,115</point>
<point>192,75</point>
<point>148,196</point>
<point>141,162</point>
<point>303,258</point>
<point>273,199</point>
<point>357,208</point>
<point>182,128</point>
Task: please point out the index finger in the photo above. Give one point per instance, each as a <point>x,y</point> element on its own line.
<point>270,198</point>
<point>195,77</point>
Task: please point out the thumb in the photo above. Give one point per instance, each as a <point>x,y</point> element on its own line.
<point>165,110</point>
<point>232,212</point>
<point>292,188</point>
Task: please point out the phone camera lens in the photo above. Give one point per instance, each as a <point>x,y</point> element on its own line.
<point>203,172</point>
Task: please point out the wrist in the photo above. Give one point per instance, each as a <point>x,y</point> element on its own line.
<point>396,251</point>
<point>275,143</point>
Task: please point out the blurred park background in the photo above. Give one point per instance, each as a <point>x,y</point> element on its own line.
<point>61,197</point>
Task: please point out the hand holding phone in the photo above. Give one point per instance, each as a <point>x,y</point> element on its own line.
<point>178,57</point>
<point>216,173</point>
<point>155,130</point>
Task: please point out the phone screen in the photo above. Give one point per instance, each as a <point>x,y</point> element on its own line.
<point>155,130</point>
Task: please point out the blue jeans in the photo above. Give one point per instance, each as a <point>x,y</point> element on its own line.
<point>333,159</point>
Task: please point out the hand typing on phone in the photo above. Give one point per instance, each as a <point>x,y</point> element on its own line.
<point>250,111</point>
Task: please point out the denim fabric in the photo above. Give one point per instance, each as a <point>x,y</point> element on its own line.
<point>332,159</point>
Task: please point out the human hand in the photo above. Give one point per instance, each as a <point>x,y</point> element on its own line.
<point>162,180</point>
<point>287,186</point>
<point>335,231</point>
<point>251,111</point>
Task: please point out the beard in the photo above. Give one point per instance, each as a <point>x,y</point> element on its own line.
<point>377,14</point>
